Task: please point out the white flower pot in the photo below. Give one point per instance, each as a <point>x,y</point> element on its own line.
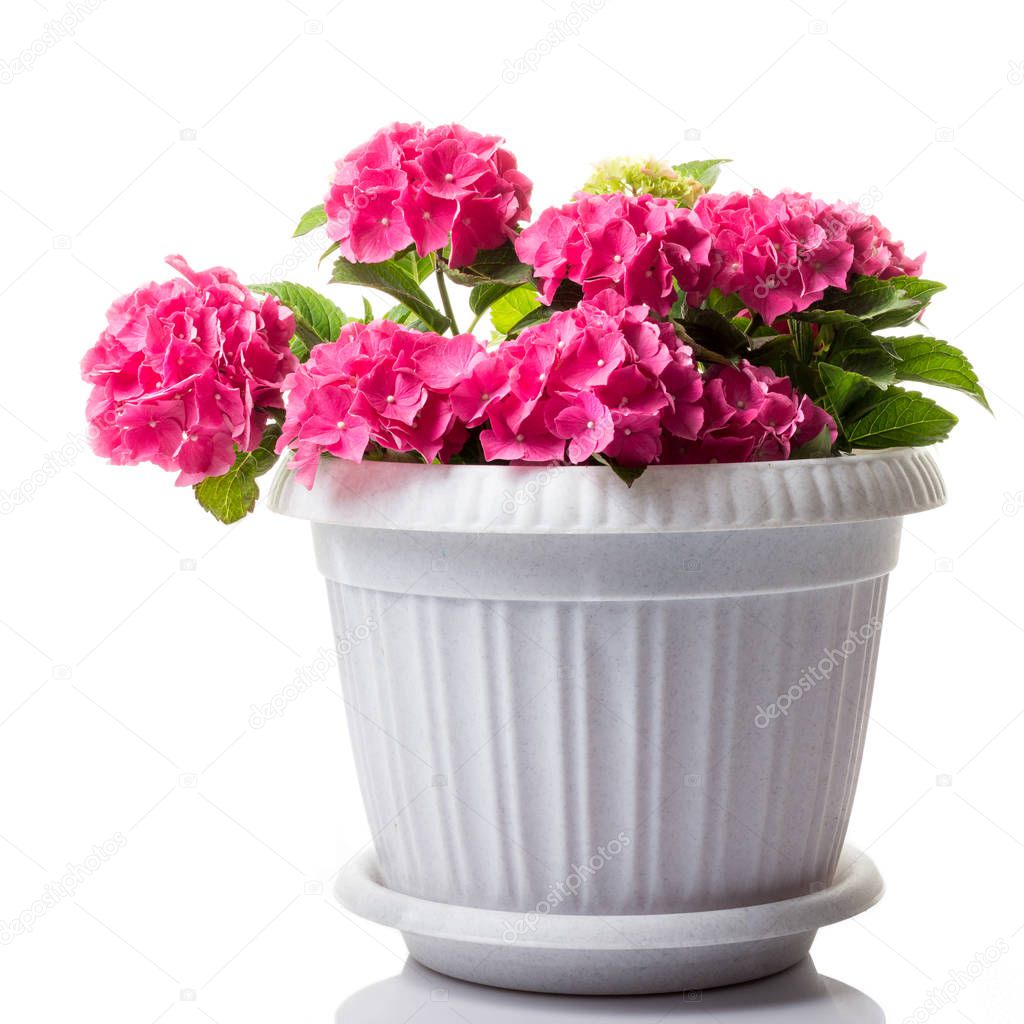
<point>608,739</point>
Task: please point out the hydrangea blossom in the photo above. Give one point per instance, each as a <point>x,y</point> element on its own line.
<point>779,253</point>
<point>875,252</point>
<point>751,415</point>
<point>600,378</point>
<point>410,185</point>
<point>635,245</point>
<point>644,177</point>
<point>185,371</point>
<point>381,383</point>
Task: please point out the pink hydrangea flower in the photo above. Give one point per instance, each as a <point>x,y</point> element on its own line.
<point>752,415</point>
<point>409,185</point>
<point>380,383</point>
<point>637,245</point>
<point>779,253</point>
<point>529,440</point>
<point>875,252</point>
<point>603,377</point>
<point>586,422</point>
<point>185,372</point>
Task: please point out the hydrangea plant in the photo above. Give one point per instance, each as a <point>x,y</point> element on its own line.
<point>649,320</point>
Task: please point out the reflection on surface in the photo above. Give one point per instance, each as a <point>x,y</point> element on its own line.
<point>797,996</point>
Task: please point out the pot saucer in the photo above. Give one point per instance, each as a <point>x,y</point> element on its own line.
<point>611,954</point>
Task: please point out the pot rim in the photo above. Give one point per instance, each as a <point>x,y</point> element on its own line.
<point>496,499</point>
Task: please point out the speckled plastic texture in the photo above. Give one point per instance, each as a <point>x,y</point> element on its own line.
<point>620,955</point>
<point>571,698</point>
<point>567,499</point>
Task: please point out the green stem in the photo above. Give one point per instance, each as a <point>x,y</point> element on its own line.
<point>475,321</point>
<point>705,355</point>
<point>445,301</point>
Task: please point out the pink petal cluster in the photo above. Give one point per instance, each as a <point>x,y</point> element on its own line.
<point>779,253</point>
<point>602,378</point>
<point>637,245</point>
<point>185,371</point>
<point>411,185</point>
<point>875,252</point>
<point>381,383</point>
<point>751,415</point>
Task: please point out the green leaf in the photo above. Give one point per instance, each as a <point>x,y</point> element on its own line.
<point>844,391</point>
<point>704,171</point>
<point>233,495</point>
<point>403,315</point>
<point>866,297</point>
<point>627,474</point>
<point>317,319</point>
<point>567,296</point>
<point>394,278</point>
<point>824,316</point>
<point>508,311</point>
<point>900,418</point>
<point>895,302</point>
<point>766,338</point>
<point>332,248</point>
<point>803,339</point>
<point>919,288</point>
<point>932,361</point>
<point>819,447</point>
<point>424,267</point>
<point>314,217</point>
<point>374,453</point>
<point>727,305</point>
<point>420,267</point>
<point>715,332</point>
<point>367,310</point>
<point>539,315</point>
<point>484,295</point>
<point>871,417</point>
<point>915,294</point>
<point>856,348</point>
<point>500,264</point>
<point>777,351</point>
<point>299,348</point>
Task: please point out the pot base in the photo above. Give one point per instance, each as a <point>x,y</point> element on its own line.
<point>610,954</point>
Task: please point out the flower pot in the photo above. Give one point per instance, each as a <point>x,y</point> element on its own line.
<point>608,739</point>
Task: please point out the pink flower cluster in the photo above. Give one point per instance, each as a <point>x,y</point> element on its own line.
<point>779,253</point>
<point>751,415</point>
<point>383,383</point>
<point>185,372</point>
<point>412,185</point>
<point>633,244</point>
<point>875,252</point>
<point>600,379</point>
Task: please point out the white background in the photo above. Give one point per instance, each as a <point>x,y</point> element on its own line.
<point>137,632</point>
